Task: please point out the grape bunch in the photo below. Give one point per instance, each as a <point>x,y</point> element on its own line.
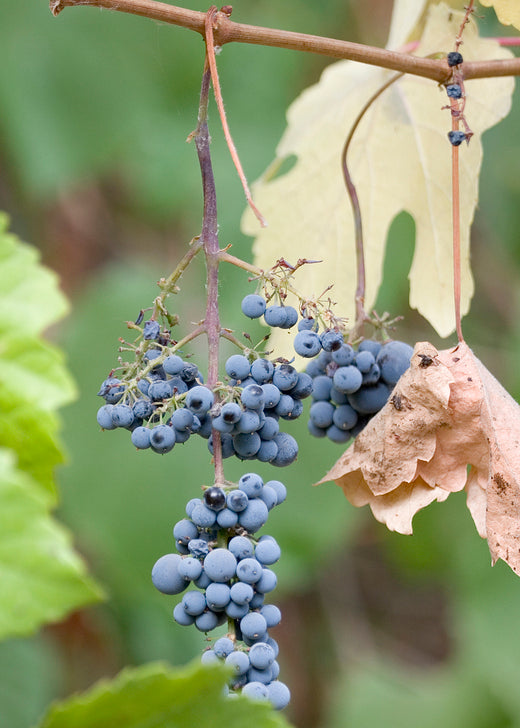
<point>350,387</point>
<point>170,403</point>
<point>219,554</point>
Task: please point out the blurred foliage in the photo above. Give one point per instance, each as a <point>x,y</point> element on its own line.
<point>377,627</point>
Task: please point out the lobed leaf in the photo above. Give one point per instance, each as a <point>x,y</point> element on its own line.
<point>400,160</point>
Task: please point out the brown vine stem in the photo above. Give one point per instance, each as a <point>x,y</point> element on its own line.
<point>227,31</point>
<point>361,316</point>
<point>209,237</point>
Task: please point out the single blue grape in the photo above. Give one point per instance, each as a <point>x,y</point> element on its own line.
<point>141,437</point>
<point>316,431</point>
<point>227,518</point>
<point>393,360</point>
<point>241,547</point>
<point>307,344</point>
<point>214,498</point>
<point>369,400</point>
<point>295,411</point>
<point>184,531</point>
<point>217,596</point>
<point>203,516</point>
<point>247,444</point>
<point>268,494</point>
<point>275,316</point>
<point>241,593</point>
<point>189,372</point>
<point>162,439</point>
<point>370,345</point>
<point>206,621</point>
<point>271,394</point>
<point>262,676</point>
<point>165,575</point>
<point>267,582</point>
<point>287,450</point>
<point>182,419</point>
<point>331,340</point>
<point>456,137</point>
<point>238,661</point>
<point>253,306</point>
<point>177,386</point>
<point>285,377</point>
<point>256,691</point>
<point>364,361</point>
<point>254,516</point>
<point>199,400</point>
<point>252,397</point>
<point>249,422</point>
<point>272,615</point>
<point>190,568</point>
<point>223,647</point>
<point>182,617</point>
<point>159,390</point>
<point>221,425</point>
<point>236,611</point>
<point>269,429</point>
<point>343,356</point>
<point>267,451</point>
<point>237,500</point>
<point>454,91</point>
<point>142,409</point>
<point>345,417</point>
<point>267,552</point>
<point>237,366</point>
<point>285,406</point>
<point>194,603</point>
<point>231,412</point>
<point>307,324</point>
<point>209,657</point>
<point>336,435</point>
<point>220,565</point>
<point>337,397</point>
<point>257,601</point>
<point>279,488</point>
<point>278,694</point>
<point>372,376</point>
<point>173,365</point>
<point>261,655</point>
<point>151,330</point>
<point>249,570</point>
<point>347,379</point>
<point>253,625</point>
<point>262,370</point>
<point>251,484</point>
<point>104,417</point>
<point>321,387</point>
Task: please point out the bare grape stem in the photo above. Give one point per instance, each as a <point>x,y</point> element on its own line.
<point>209,238</point>
<point>227,31</point>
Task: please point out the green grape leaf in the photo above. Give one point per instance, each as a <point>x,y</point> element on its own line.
<point>157,696</point>
<point>400,160</point>
<point>42,578</point>
<point>30,299</point>
<point>508,11</point>
<point>33,378</point>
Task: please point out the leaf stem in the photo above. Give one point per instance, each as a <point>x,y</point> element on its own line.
<point>228,31</point>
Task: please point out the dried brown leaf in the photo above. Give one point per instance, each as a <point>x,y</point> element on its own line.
<point>448,425</point>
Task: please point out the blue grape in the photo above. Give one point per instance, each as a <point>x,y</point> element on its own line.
<point>337,435</point>
<point>184,531</point>
<point>223,647</point>
<point>142,409</point>
<point>220,565</point>
<point>173,365</point>
<point>217,595</point>
<point>249,570</point>
<point>272,615</point>
<point>182,617</point>
<point>215,498</point>
<point>255,690</point>
<point>345,417</point>
<point>203,516</point>
<point>261,655</point>
<point>331,340</point>
<point>206,621</point>
<point>307,324</point>
<point>237,500</point>
<point>252,397</point>
<point>364,361</point>
<point>182,419</point>
<point>343,356</point>
<point>262,676</point>
<point>321,387</point>
<point>237,366</point>
<point>190,568</point>
<point>162,439</point>
<point>227,518</point>
<point>253,306</point>
<point>275,316</point>
<point>198,548</point>
<point>347,379</point>
<point>279,488</point>
<point>231,412</point>
<point>370,345</point>
<point>393,360</point>
<point>249,422</point>
<point>241,547</point>
<point>254,516</point>
<point>372,376</point>
<point>140,438</point>
<point>238,661</point>
<point>200,399</point>
<point>247,444</point>
<point>165,575</point>
<point>104,417</point>
<point>267,582</point>
<point>456,137</point>
<point>287,449</point>
<point>241,593</point>
<point>151,330</point>
<point>316,431</point>
<point>278,694</point>
<point>236,611</point>
<point>454,91</point>
<point>271,394</point>
<point>221,425</point>
<point>262,370</point>
<point>209,657</point>
<point>194,603</point>
<point>177,386</point>
<point>253,625</point>
<point>268,494</point>
<point>189,372</point>
<point>303,387</point>
<point>307,344</point>
<point>285,406</point>
<point>285,377</point>
<point>269,429</point>
<point>295,411</point>
<point>257,601</point>
<point>267,451</point>
<point>159,390</point>
<point>267,552</point>
<point>291,317</point>
<point>251,484</point>
<point>369,400</point>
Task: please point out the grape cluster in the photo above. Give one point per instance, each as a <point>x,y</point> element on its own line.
<point>220,555</point>
<point>349,386</point>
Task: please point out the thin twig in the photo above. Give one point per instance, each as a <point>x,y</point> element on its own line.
<point>356,210</point>
<point>210,50</point>
<point>228,31</point>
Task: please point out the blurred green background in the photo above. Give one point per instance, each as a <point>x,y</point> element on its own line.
<point>94,170</point>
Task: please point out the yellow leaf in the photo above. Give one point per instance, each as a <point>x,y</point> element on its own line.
<point>400,159</point>
<point>508,11</point>
<point>449,425</point>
